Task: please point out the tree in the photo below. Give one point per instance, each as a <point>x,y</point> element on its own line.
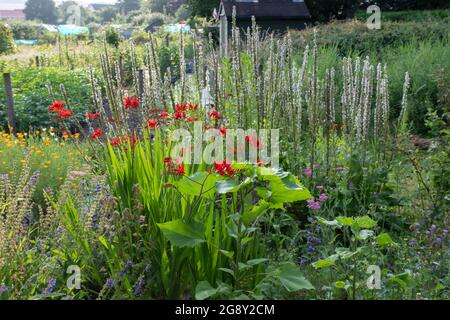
<point>6,39</point>
<point>107,14</point>
<point>155,5</point>
<point>202,8</point>
<point>326,10</point>
<point>408,4</point>
<point>43,10</point>
<point>129,5</point>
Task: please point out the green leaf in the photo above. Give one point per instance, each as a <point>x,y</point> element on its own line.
<point>339,284</point>
<point>331,223</point>
<point>346,221</point>
<point>288,189</point>
<point>365,222</point>
<point>383,239</point>
<point>323,264</point>
<point>292,279</point>
<point>183,234</point>
<point>228,254</point>
<point>204,290</point>
<point>403,279</point>
<point>230,186</point>
<point>199,184</point>
<point>255,262</point>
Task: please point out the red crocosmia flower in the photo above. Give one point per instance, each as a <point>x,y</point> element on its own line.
<point>65,114</point>
<point>92,116</point>
<point>178,115</point>
<point>193,107</point>
<point>224,168</point>
<point>96,134</point>
<point>115,142</point>
<point>181,108</point>
<point>191,119</point>
<point>259,163</point>
<point>57,106</point>
<point>223,131</point>
<point>214,115</point>
<point>152,124</point>
<point>254,141</point>
<point>180,170</point>
<point>164,114</point>
<point>131,102</point>
<point>167,162</point>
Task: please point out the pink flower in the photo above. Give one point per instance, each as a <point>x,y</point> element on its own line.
<point>307,172</point>
<point>313,204</point>
<point>323,197</point>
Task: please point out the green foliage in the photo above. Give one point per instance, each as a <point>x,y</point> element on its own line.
<point>425,16</point>
<point>43,10</point>
<point>31,97</point>
<point>112,37</point>
<point>203,8</point>
<point>324,11</point>
<point>27,30</point>
<point>6,39</point>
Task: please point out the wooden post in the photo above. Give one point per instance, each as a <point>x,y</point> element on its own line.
<point>37,61</point>
<point>9,102</point>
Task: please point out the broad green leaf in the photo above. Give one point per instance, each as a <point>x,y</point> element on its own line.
<point>383,239</point>
<point>323,264</point>
<point>228,254</point>
<point>199,184</point>
<point>330,223</point>
<point>365,222</point>
<point>403,279</point>
<point>204,290</point>
<point>259,209</point>
<point>346,221</point>
<point>182,234</point>
<point>288,189</point>
<point>227,186</point>
<point>292,279</point>
<point>339,284</point>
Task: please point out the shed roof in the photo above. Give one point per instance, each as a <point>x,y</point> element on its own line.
<point>267,9</point>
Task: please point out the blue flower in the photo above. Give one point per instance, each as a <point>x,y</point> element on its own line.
<point>438,240</point>
<point>50,287</point>
<point>110,283</point>
<point>138,289</point>
<point>412,244</point>
<point>3,288</point>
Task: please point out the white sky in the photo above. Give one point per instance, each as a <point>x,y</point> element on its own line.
<point>20,4</point>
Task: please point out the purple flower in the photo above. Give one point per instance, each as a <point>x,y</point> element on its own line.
<point>148,268</point>
<point>432,228</point>
<point>50,287</point>
<point>417,225</point>
<point>138,289</point>
<point>3,288</point>
<point>438,240</point>
<point>307,172</point>
<point>303,262</point>
<point>323,197</point>
<point>445,231</point>
<point>110,283</point>
<point>313,204</point>
<point>412,244</point>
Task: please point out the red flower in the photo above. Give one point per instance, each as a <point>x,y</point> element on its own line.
<point>193,107</point>
<point>253,141</point>
<point>182,108</point>
<point>65,114</point>
<point>152,124</point>
<point>223,131</point>
<point>178,115</point>
<point>131,103</point>
<point>180,170</point>
<point>116,142</point>
<point>92,116</point>
<point>214,115</point>
<point>164,114</point>
<point>224,168</point>
<point>57,106</point>
<point>190,119</point>
<point>96,134</point>
<point>167,162</point>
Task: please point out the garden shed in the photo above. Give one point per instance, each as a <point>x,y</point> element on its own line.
<point>271,15</point>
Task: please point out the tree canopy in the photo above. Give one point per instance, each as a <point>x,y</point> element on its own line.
<point>43,10</point>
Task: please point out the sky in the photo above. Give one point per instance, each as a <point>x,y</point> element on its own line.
<point>20,4</point>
